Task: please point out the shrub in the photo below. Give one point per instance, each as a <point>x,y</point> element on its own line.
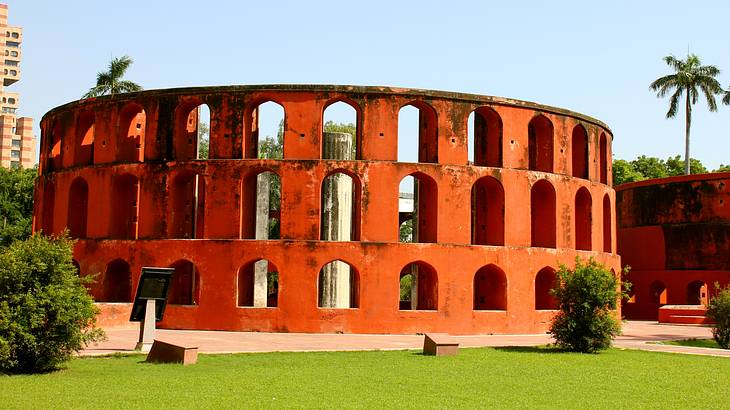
<point>46,313</point>
<point>587,297</point>
<point>719,311</point>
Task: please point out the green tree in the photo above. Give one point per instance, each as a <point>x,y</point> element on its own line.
<point>203,140</point>
<point>723,168</point>
<point>675,166</point>
<point>16,203</point>
<point>650,167</point>
<point>587,298</point>
<point>624,172</point>
<point>719,311</point>
<point>690,78</point>
<point>111,82</point>
<point>46,313</point>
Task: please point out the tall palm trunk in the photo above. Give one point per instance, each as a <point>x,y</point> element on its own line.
<point>687,123</point>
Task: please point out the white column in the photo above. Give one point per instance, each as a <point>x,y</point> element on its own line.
<point>337,221</point>
<point>261,268</point>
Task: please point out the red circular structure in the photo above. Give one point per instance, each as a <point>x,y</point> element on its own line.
<point>674,233</point>
<point>121,173</point>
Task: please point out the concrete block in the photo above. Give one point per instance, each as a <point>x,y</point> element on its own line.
<point>439,344</point>
<point>163,352</point>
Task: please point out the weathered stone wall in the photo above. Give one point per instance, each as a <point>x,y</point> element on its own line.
<point>674,233</point>
<point>121,173</point>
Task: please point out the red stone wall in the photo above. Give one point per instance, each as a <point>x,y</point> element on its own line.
<point>141,232</point>
<point>674,233</point>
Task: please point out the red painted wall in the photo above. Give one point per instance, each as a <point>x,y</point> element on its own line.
<point>216,245</point>
<point>674,233</point>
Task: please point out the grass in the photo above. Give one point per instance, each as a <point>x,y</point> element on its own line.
<point>694,343</point>
<point>476,378</point>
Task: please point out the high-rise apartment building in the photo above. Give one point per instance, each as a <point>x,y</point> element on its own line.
<point>17,142</point>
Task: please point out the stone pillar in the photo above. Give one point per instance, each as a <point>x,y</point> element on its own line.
<point>414,227</point>
<point>414,287</point>
<point>414,215</point>
<point>336,221</point>
<point>261,268</point>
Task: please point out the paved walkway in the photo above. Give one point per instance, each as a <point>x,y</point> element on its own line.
<point>637,335</point>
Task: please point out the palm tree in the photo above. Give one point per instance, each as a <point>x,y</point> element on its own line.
<point>689,78</point>
<point>726,98</point>
<point>110,82</point>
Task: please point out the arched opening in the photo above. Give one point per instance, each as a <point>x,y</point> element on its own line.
<point>418,287</point>
<point>579,149</point>
<point>184,285</point>
<point>55,147</point>
<point>540,144</point>
<point>125,192</point>
<point>187,206</point>
<point>490,289</point>
<point>544,282</point>
<point>340,132</point>
<point>78,207</point>
<point>264,131</point>
<point>131,131</point>
<point>261,206</point>
<point>84,147</point>
<point>340,208</point>
<point>421,210</point>
<point>192,132</point>
<point>338,286</point>
<point>583,219</point>
<point>417,126</point>
<point>118,282</point>
<point>697,293</point>
<point>484,128</point>
<point>258,284</point>
<point>603,158</point>
<point>607,224</point>
<point>542,214</point>
<point>49,205</point>
<point>658,293</point>
<point>487,212</point>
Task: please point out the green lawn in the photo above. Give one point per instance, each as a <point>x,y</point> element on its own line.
<point>694,343</point>
<point>503,377</point>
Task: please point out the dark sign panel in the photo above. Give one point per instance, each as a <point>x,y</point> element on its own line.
<point>154,284</point>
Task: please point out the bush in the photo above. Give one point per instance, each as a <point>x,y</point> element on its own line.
<point>719,311</point>
<point>46,313</point>
<point>587,297</point>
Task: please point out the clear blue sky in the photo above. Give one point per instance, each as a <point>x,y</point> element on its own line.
<point>597,58</point>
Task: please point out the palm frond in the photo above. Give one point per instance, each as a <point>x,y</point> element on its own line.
<point>95,92</point>
<point>708,71</point>
<point>709,93</point>
<point>673,62</point>
<point>119,65</point>
<point>126,86</point>
<point>694,94</point>
<point>674,103</point>
<point>726,98</point>
<point>663,84</point>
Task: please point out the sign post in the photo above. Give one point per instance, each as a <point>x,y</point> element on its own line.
<point>150,302</point>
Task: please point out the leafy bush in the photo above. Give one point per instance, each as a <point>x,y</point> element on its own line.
<point>16,203</point>
<point>719,311</point>
<point>46,313</point>
<point>587,297</point>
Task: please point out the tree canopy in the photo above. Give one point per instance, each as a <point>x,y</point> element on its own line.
<point>111,82</point>
<point>16,203</point>
<point>644,167</point>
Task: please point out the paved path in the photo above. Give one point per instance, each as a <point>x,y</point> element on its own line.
<point>637,335</point>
